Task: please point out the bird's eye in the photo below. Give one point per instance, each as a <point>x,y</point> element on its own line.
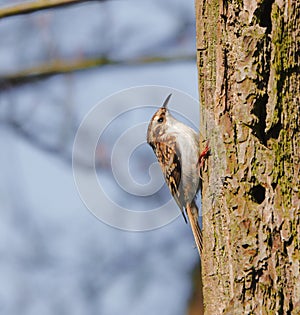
<point>160,120</point>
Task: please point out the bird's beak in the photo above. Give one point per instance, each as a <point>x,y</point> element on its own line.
<point>166,101</point>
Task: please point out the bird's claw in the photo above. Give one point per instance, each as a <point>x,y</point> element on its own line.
<point>203,156</point>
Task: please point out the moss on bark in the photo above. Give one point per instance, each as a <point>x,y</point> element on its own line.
<point>248,61</point>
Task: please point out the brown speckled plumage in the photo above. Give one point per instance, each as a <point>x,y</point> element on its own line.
<point>177,150</point>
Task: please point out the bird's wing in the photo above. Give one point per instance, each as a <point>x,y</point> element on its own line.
<point>171,167</point>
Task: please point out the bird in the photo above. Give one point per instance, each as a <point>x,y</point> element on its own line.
<point>176,147</point>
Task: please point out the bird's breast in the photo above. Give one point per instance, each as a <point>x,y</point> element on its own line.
<point>188,148</point>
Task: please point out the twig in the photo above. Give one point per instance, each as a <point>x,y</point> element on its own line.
<point>33,6</point>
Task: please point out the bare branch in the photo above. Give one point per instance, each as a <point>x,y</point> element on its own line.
<point>36,141</point>
<point>38,5</point>
<point>65,66</point>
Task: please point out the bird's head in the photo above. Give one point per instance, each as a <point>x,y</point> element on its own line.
<point>158,122</point>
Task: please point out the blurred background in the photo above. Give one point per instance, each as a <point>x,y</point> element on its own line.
<point>55,65</point>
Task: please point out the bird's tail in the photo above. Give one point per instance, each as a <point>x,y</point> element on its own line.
<point>192,212</point>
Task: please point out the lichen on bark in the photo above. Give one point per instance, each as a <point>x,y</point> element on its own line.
<point>248,62</point>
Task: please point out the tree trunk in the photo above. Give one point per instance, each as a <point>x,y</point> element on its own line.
<point>248,61</point>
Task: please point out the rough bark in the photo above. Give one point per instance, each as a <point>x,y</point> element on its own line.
<point>248,61</point>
